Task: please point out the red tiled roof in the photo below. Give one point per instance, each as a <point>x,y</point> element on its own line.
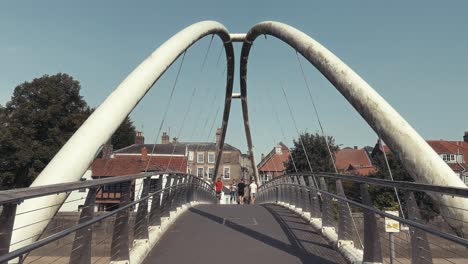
<point>354,157</point>
<point>458,167</point>
<point>274,162</point>
<point>132,165</point>
<point>449,147</point>
<point>363,171</point>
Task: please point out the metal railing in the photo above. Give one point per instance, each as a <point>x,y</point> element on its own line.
<point>350,211</point>
<point>139,204</point>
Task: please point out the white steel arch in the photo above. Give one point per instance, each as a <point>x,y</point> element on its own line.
<point>74,158</point>
<point>421,161</point>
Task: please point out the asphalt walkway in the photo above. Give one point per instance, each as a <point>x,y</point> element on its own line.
<point>242,234</point>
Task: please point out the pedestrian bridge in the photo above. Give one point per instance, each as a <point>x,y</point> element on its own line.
<point>298,218</point>
<point>305,217</point>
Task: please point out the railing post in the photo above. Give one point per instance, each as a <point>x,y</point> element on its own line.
<point>305,205</point>
<point>174,193</point>
<point>290,192</point>
<point>315,212</point>
<point>327,208</point>
<point>277,192</point>
<point>372,247</point>
<point>165,206</point>
<point>420,250</point>
<point>141,221</point>
<point>155,213</point>
<point>345,229</point>
<point>297,193</point>
<point>188,189</point>
<point>81,250</point>
<point>7,219</point>
<point>119,246</point>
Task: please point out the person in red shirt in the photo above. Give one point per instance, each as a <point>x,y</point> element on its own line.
<point>218,189</point>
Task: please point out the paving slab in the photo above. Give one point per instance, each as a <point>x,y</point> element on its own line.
<point>242,234</point>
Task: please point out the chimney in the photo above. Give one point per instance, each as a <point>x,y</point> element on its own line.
<point>465,137</point>
<point>263,157</point>
<point>355,147</point>
<point>144,154</point>
<point>174,140</point>
<point>218,136</point>
<point>139,138</point>
<point>107,150</point>
<point>165,138</point>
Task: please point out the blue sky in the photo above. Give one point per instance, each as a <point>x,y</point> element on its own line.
<point>412,52</point>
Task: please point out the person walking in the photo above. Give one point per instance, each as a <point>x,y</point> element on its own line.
<point>253,192</point>
<point>240,191</point>
<point>218,189</point>
<point>233,192</point>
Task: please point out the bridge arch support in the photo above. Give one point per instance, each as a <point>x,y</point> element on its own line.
<point>75,157</point>
<point>424,165</point>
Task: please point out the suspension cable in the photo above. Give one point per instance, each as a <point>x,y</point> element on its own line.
<point>316,113</point>
<point>206,54</point>
<point>201,130</point>
<point>190,104</point>
<point>182,125</point>
<point>297,130</point>
<point>317,116</point>
<point>391,176</point>
<point>282,130</point>
<point>166,110</point>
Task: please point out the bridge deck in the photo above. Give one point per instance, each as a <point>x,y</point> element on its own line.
<point>242,234</point>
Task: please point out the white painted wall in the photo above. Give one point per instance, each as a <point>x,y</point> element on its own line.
<point>76,198</point>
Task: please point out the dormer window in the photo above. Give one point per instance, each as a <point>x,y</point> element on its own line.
<point>278,150</point>
<point>451,158</point>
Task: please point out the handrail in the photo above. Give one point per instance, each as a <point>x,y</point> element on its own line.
<point>454,191</point>
<point>18,195</point>
<point>412,223</point>
<point>37,244</point>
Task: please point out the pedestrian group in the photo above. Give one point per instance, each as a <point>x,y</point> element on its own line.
<point>237,191</point>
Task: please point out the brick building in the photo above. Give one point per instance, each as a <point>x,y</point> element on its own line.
<point>454,153</point>
<point>354,161</point>
<point>274,163</point>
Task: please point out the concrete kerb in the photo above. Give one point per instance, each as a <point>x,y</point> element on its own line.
<point>346,248</point>
<point>141,248</point>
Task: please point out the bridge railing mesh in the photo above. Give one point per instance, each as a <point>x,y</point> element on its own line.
<point>377,220</point>
<point>101,220</point>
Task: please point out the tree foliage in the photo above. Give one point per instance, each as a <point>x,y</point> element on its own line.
<point>36,122</point>
<point>40,117</point>
<point>317,152</point>
<point>385,198</point>
<point>124,135</point>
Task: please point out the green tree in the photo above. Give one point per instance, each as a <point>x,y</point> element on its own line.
<point>36,122</point>
<point>40,117</point>
<point>124,135</point>
<point>317,152</point>
<point>385,198</point>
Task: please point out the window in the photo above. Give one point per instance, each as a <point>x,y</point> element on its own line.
<point>200,157</point>
<point>278,150</point>
<point>227,173</point>
<point>210,172</point>
<point>211,157</point>
<point>200,172</point>
<point>190,155</point>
